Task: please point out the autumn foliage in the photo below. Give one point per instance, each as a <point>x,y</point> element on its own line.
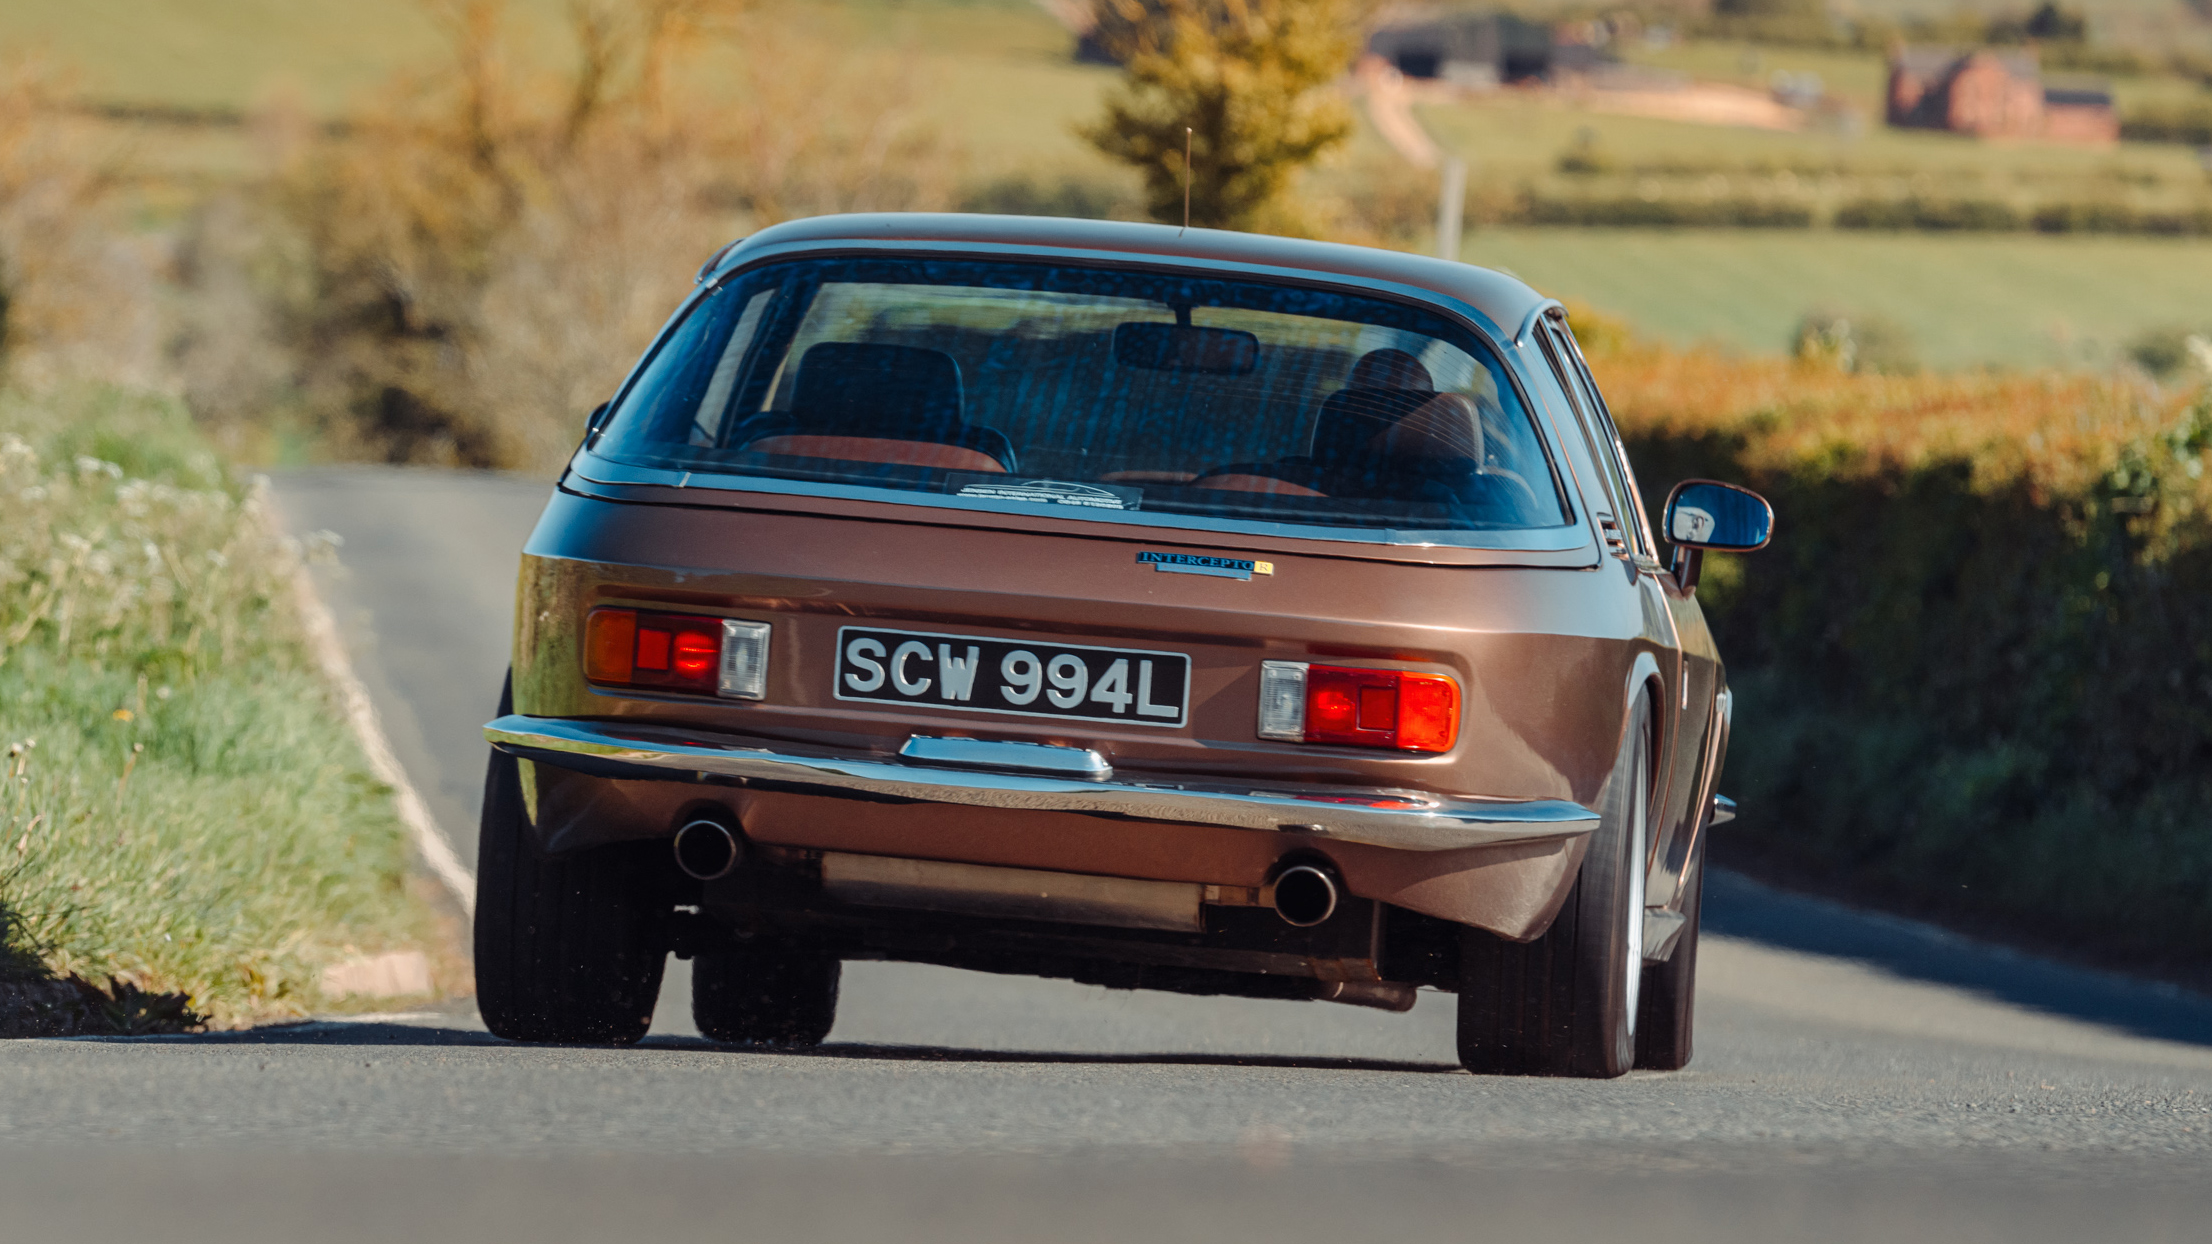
<point>1974,669</point>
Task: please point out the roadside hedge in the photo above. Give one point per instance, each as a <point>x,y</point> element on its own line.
<point>1986,215</point>
<point>2189,122</point>
<point>1974,671</point>
<point>1636,211</point>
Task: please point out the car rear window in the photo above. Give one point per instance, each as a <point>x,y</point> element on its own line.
<point>1020,385</point>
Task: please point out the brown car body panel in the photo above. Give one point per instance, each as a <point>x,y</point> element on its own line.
<point>1550,645</point>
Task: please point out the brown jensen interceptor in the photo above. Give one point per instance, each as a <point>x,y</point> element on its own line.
<point>1150,608</point>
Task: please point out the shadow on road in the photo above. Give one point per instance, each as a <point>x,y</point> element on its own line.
<point>1736,906</point>
<point>369,1031</point>
<point>941,1054</point>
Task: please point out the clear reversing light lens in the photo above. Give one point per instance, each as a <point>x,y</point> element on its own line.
<point>744,660</point>
<point>1283,701</point>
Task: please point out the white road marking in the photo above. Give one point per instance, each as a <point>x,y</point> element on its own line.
<point>330,652</point>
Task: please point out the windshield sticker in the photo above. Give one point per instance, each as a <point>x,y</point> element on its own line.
<point>1057,492</point>
<point>1196,563</point>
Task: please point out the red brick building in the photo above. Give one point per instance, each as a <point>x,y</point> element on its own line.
<point>1993,94</point>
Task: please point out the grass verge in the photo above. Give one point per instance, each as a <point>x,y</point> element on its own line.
<point>182,812</point>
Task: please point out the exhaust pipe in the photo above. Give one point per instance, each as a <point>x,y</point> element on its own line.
<point>707,851</point>
<point>1302,894</point>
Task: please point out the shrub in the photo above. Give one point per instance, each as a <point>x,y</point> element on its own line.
<point>1246,79</point>
<point>2109,217</point>
<point>1068,194</point>
<point>1634,210</point>
<point>74,299</point>
<point>1924,213</point>
<point>2166,352</point>
<point>1971,671</point>
<point>2189,122</point>
<point>491,246</point>
<point>1863,343</point>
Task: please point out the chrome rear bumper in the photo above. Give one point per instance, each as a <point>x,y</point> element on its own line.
<point>1406,820</point>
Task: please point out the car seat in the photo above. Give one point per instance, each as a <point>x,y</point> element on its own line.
<point>867,402</point>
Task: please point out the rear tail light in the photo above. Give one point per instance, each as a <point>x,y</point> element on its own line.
<point>1397,709</point>
<point>677,652</point>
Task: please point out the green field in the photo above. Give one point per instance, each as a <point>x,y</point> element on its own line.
<point>233,53</point>
<point>996,80</point>
<point>1985,299</point>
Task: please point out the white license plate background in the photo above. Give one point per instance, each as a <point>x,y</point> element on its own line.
<point>1025,677</point>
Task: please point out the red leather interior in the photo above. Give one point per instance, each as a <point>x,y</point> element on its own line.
<point>879,449</point>
<point>1257,483</point>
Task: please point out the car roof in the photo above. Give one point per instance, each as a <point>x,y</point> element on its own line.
<point>1505,300</point>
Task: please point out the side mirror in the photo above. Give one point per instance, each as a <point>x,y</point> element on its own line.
<point>1707,514</point>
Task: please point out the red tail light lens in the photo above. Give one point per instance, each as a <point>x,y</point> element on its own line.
<point>1397,709</point>
<point>1428,712</point>
<point>662,651</point>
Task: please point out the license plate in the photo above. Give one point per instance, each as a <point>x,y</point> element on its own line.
<point>1031,678</point>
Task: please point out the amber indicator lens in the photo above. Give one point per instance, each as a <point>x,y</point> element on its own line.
<point>673,652</point>
<point>610,645</point>
<point>1397,709</point>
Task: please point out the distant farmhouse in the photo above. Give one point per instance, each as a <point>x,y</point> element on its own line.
<point>1994,94</point>
<point>1486,50</point>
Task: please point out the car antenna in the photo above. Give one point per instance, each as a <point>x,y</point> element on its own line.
<point>1186,183</point>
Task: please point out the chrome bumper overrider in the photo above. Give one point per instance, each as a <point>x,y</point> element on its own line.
<point>1407,820</point>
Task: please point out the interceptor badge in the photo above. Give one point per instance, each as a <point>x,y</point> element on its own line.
<point>1195,563</point>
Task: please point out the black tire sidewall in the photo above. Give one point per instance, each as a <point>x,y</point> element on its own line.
<point>568,949</point>
<point>1558,1005</point>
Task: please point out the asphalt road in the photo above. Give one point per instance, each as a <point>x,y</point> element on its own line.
<point>1857,1078</point>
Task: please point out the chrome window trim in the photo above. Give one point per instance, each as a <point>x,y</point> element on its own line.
<point>1569,536</point>
<point>1647,547</point>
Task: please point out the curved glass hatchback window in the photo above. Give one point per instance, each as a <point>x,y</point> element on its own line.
<point>1012,384</point>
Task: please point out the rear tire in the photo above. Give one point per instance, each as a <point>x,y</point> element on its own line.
<point>1670,988</point>
<point>568,949</point>
<point>764,993</point>
<point>1566,1004</point>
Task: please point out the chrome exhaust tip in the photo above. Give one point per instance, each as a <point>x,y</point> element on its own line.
<point>1302,894</point>
<point>707,850</point>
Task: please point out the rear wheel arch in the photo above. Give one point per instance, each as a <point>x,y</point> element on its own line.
<point>1644,682</point>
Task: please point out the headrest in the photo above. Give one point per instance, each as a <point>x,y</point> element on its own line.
<point>857,386</point>
<point>1351,419</point>
<point>1444,427</point>
<point>1390,369</point>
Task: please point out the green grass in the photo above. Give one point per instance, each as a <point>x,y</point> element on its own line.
<point>183,807</point>
<point>998,73</point>
<point>1999,299</point>
<point>232,53</point>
